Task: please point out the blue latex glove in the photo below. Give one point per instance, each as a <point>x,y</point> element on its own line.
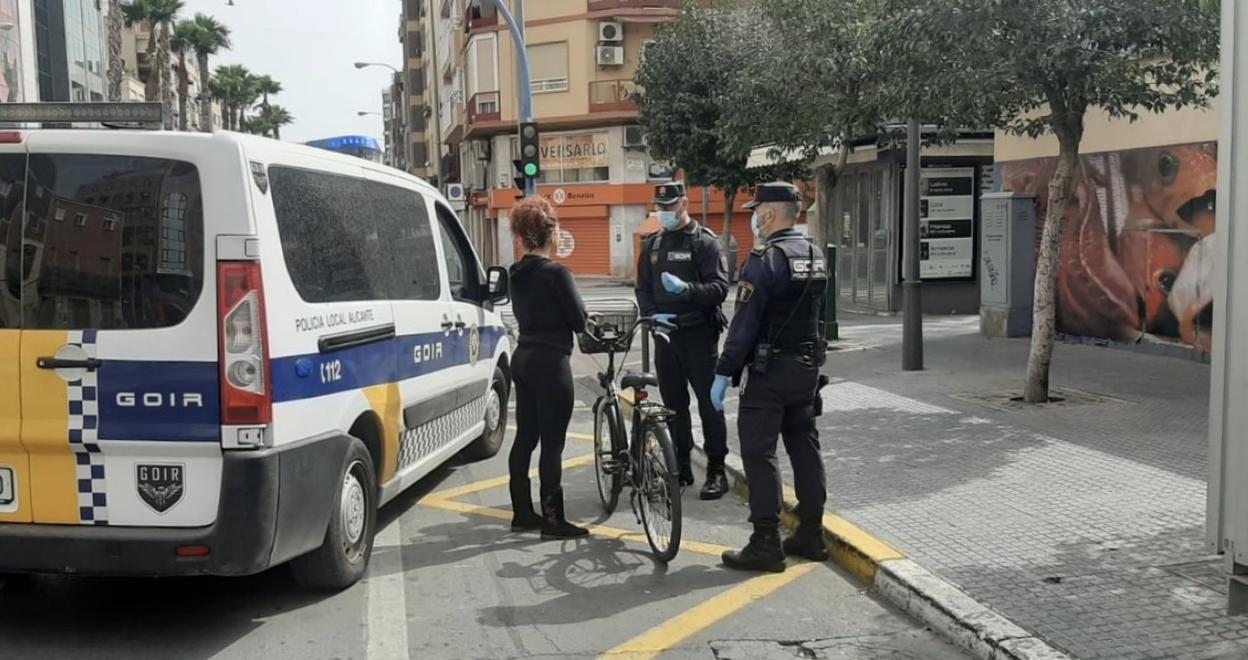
<point>719,390</point>
<point>666,318</point>
<point>674,285</point>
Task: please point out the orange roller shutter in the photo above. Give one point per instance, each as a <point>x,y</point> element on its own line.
<point>585,245</point>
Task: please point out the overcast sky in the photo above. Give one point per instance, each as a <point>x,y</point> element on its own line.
<point>310,46</point>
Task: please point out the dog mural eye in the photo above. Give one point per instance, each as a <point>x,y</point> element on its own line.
<point>1168,168</point>
<point>1165,278</point>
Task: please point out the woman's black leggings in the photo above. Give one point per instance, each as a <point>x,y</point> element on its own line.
<point>544,399</point>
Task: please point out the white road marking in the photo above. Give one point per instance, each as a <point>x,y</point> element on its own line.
<point>387,598</point>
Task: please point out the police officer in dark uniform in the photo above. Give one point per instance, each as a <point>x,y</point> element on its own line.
<point>775,340</point>
<point>682,276</point>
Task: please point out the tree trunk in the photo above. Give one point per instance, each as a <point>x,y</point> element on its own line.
<point>205,99</point>
<point>1044,321</point>
<point>168,96</point>
<point>151,89</point>
<point>116,62</point>
<point>184,93</point>
<point>277,132</point>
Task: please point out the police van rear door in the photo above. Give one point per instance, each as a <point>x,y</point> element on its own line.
<point>14,465</point>
<point>118,360</point>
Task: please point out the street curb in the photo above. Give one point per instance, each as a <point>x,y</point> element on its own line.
<point>925,596</point>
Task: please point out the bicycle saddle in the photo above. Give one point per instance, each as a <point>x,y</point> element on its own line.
<point>638,381</point>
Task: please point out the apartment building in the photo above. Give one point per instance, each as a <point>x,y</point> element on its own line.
<point>583,55</point>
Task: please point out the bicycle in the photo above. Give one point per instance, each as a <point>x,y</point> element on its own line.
<point>646,461</point>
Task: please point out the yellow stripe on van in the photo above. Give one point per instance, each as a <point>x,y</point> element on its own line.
<point>12,454</point>
<point>385,401</point>
<point>45,431</point>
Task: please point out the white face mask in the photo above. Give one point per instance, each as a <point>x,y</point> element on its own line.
<point>756,225</point>
<point>669,220</point>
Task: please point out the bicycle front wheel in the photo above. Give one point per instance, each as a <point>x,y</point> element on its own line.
<point>608,443</point>
<point>660,492</point>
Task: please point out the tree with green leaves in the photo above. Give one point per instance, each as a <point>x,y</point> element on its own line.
<point>267,86</point>
<point>1037,67</point>
<point>683,82</point>
<point>269,121</point>
<point>158,16</point>
<point>211,37</point>
<point>116,21</point>
<point>184,36</point>
<point>235,87</point>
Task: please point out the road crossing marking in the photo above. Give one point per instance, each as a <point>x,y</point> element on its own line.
<point>387,597</point>
<point>668,635</point>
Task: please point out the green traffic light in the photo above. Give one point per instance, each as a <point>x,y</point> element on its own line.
<point>530,169</point>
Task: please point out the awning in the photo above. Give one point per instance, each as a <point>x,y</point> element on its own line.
<point>761,156</point>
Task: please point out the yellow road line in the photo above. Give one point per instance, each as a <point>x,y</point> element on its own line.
<point>600,531</point>
<point>669,635</point>
<point>854,536</point>
<point>499,482</point>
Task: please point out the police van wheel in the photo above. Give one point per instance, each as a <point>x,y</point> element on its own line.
<point>343,558</point>
<point>491,440</point>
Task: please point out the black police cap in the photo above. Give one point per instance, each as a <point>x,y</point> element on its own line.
<point>669,193</point>
<point>779,191</point>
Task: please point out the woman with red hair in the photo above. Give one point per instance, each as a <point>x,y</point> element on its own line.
<point>549,312</point>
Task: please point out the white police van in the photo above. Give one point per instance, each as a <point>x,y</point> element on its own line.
<point>220,353</point>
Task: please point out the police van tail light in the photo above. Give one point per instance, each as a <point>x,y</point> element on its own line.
<point>246,387</point>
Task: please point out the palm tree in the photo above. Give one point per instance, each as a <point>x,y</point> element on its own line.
<point>163,13</point>
<point>211,38</point>
<point>116,61</point>
<point>267,85</point>
<point>184,36</point>
<point>137,13</point>
<point>275,116</point>
<point>158,17</point>
<point>235,87</point>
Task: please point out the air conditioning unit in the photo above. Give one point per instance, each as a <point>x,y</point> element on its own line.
<point>610,56</point>
<point>610,31</point>
<point>455,192</point>
<point>634,138</point>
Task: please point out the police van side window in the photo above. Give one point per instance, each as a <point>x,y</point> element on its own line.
<point>349,239</point>
<point>110,242</point>
<point>462,271</point>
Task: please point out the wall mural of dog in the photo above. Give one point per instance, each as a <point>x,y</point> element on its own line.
<point>1137,248</point>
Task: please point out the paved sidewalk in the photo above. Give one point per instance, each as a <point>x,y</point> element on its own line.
<point>1082,523</point>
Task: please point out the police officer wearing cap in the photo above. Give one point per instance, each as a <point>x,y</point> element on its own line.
<point>682,277</point>
<point>775,340</point>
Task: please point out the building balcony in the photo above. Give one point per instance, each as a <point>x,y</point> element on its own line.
<point>608,5</point>
<point>482,15</point>
<point>484,106</point>
<point>612,96</point>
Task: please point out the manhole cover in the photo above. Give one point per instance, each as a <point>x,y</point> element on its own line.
<point>1058,398</point>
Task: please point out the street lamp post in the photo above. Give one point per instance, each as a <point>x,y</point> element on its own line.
<point>403,104</point>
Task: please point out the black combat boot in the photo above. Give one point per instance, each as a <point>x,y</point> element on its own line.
<point>807,542</point>
<point>716,485</point>
<point>762,553</point>
<point>523,517</point>
<point>554,524</point>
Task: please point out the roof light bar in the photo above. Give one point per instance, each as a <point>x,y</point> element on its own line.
<point>77,113</point>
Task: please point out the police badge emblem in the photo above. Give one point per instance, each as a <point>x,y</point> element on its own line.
<point>474,346</point>
<point>160,486</point>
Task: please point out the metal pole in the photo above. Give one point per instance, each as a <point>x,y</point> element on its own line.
<point>912,291</point>
<point>522,69</point>
<point>832,328</point>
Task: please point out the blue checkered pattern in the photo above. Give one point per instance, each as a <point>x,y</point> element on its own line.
<point>84,424</point>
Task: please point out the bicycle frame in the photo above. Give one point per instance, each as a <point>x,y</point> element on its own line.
<point>637,406</point>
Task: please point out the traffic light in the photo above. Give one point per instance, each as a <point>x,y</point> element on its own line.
<point>530,151</point>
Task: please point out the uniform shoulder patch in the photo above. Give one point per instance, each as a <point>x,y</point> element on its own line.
<point>708,232</point>
<point>745,292</point>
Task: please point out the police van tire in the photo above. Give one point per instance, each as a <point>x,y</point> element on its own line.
<point>343,558</point>
<point>491,440</point>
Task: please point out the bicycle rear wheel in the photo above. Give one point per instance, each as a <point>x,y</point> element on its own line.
<point>608,443</point>
<point>660,492</point>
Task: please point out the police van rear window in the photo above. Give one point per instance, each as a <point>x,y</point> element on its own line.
<point>349,239</point>
<point>108,242</point>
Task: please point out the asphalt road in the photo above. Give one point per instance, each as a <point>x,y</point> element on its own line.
<point>449,580</point>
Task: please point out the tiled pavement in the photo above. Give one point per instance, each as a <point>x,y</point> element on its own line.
<point>1082,523</point>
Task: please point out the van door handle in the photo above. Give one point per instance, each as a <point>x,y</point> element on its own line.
<point>446,324</point>
<point>90,364</point>
<point>459,324</point>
